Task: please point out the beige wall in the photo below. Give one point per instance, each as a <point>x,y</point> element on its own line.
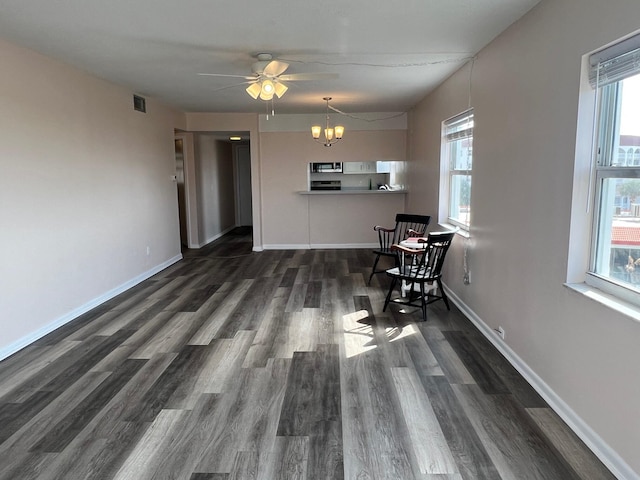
<point>285,158</point>
<point>525,92</point>
<point>87,204</point>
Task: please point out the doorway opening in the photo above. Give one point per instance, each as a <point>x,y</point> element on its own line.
<point>242,184</point>
<point>182,198</point>
<point>214,186</point>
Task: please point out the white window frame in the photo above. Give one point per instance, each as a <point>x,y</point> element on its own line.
<point>449,172</point>
<point>606,159</point>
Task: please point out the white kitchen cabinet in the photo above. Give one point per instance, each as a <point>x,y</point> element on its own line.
<point>358,167</point>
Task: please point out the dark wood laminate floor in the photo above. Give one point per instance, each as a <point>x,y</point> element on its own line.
<point>274,365</point>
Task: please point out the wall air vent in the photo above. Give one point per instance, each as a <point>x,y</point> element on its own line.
<point>139,104</point>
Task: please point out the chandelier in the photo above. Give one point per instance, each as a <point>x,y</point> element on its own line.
<point>331,135</point>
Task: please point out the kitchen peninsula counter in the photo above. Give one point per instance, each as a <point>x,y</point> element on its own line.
<point>351,192</point>
<point>345,218</point>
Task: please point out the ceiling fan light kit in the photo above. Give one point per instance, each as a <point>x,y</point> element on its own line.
<point>267,90</point>
<point>254,90</point>
<point>331,134</point>
<point>280,89</point>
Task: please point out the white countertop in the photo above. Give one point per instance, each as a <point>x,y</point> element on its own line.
<point>351,192</point>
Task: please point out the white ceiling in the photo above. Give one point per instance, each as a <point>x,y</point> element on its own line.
<point>388,55</point>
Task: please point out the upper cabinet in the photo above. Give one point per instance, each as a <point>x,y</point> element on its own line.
<point>359,167</point>
<point>366,167</point>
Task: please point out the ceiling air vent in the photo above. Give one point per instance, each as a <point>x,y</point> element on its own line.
<point>139,104</point>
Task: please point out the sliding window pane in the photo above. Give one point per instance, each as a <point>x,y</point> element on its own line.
<point>460,197</point>
<point>618,235</point>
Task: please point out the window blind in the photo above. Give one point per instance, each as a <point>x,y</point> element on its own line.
<point>459,127</point>
<point>615,62</point>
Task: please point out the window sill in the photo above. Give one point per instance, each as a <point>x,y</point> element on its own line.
<point>462,232</point>
<point>606,299</point>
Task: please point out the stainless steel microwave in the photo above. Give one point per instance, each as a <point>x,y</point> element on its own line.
<point>326,167</point>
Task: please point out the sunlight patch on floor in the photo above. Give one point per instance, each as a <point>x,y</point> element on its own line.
<point>358,335</point>
<point>396,333</point>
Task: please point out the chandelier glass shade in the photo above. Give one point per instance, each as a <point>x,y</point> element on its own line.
<point>331,134</point>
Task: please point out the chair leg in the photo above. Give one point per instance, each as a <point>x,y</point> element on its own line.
<point>373,270</point>
<point>423,300</point>
<point>414,293</point>
<point>391,287</point>
<point>444,295</point>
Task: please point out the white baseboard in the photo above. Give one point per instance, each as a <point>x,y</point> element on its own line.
<point>317,246</point>
<point>286,246</point>
<point>598,446</point>
<point>75,313</point>
<point>344,245</point>
<point>215,237</point>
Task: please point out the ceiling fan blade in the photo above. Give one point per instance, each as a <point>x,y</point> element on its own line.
<point>224,75</point>
<point>229,86</point>
<point>308,76</point>
<point>275,68</point>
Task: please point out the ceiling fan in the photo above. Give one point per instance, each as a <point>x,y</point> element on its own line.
<point>267,77</point>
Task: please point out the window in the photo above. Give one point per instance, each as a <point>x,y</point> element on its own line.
<point>615,258</point>
<point>457,156</point>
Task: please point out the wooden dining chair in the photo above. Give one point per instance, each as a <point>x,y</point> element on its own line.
<point>407,225</point>
<point>421,266</point>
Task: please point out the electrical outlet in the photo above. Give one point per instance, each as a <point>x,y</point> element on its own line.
<point>148,250</point>
<point>500,331</point>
